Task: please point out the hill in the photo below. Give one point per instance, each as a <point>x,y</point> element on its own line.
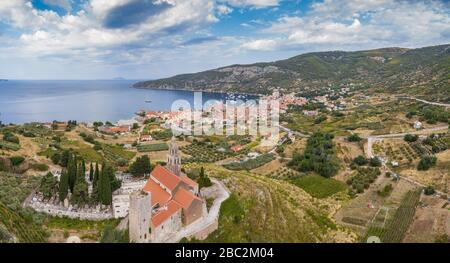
<point>395,69</point>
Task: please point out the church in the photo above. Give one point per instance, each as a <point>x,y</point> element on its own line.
<point>173,199</point>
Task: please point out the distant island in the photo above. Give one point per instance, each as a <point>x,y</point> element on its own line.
<point>3,80</point>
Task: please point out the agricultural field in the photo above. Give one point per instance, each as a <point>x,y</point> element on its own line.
<point>363,178</point>
<point>9,146</point>
<point>250,163</point>
<point>116,154</point>
<point>207,153</point>
<point>152,147</point>
<point>318,186</point>
<point>395,228</point>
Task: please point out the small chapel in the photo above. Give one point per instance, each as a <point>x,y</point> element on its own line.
<point>173,200</point>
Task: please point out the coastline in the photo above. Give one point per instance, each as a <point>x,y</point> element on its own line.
<point>193,90</point>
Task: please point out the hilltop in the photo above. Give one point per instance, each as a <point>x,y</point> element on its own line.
<point>389,68</point>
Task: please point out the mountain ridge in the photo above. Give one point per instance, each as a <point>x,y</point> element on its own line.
<point>392,68</point>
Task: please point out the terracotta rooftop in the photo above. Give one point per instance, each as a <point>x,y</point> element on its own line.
<point>185,198</point>
<point>165,177</point>
<point>188,181</point>
<point>164,213</point>
<point>158,194</point>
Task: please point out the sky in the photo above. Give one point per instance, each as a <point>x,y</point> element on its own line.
<point>150,39</point>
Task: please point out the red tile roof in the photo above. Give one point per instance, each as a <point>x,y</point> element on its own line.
<point>165,212</point>
<point>165,177</point>
<point>158,195</point>
<point>185,198</point>
<point>188,181</point>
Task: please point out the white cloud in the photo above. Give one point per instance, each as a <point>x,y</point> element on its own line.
<point>252,3</point>
<point>261,44</point>
<point>224,10</point>
<point>364,24</point>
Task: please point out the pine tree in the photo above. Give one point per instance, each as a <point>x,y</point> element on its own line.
<point>91,173</point>
<point>63,185</point>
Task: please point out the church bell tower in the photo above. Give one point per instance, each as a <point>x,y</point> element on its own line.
<point>174,157</point>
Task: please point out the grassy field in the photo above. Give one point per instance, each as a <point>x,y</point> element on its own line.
<point>318,186</point>
<point>262,209</point>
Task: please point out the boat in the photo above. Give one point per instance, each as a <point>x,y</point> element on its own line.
<point>148,101</point>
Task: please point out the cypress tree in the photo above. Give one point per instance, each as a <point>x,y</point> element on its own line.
<point>72,171</point>
<point>63,185</point>
<point>80,191</point>
<point>106,191</point>
<point>91,173</point>
<point>96,175</point>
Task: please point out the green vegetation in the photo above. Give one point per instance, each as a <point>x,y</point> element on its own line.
<point>429,190</point>
<point>251,163</point>
<point>364,177</point>
<point>141,166</point>
<point>386,191</point>
<point>426,163</point>
<point>9,146</point>
<point>115,154</point>
<point>354,138</point>
<point>411,138</point>
<point>152,147</point>
<point>22,223</point>
<point>396,227</point>
<point>162,135</point>
<point>203,180</point>
<point>49,185</point>
<point>41,167</point>
<point>16,160</point>
<point>319,156</point>
<point>360,160</point>
<point>318,186</point>
<point>112,235</point>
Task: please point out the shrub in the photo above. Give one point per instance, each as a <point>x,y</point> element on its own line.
<point>16,160</point>
<point>375,162</point>
<point>354,138</point>
<point>360,160</point>
<point>429,190</point>
<point>410,138</point>
<point>41,167</point>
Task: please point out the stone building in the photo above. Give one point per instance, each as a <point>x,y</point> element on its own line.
<point>175,200</point>
<point>139,217</point>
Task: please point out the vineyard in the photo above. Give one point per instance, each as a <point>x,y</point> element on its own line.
<point>116,154</point>
<point>396,227</point>
<point>26,232</point>
<point>152,147</point>
<point>250,163</point>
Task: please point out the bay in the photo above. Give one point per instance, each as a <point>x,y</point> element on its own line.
<point>23,101</point>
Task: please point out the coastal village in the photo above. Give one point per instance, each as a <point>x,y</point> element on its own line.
<point>136,180</point>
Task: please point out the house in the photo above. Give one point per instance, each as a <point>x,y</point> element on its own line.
<point>114,129</point>
<point>310,113</point>
<point>174,198</point>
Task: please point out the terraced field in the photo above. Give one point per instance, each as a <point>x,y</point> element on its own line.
<point>262,209</point>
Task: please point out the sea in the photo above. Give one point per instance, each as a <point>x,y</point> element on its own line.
<point>24,101</point>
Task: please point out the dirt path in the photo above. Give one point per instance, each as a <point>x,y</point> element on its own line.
<point>210,219</point>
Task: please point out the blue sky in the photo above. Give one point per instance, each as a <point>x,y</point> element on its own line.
<point>147,39</point>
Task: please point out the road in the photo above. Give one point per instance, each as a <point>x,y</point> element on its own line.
<point>428,102</point>
<point>211,218</point>
<point>372,139</point>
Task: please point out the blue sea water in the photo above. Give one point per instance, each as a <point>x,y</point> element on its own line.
<point>106,100</point>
